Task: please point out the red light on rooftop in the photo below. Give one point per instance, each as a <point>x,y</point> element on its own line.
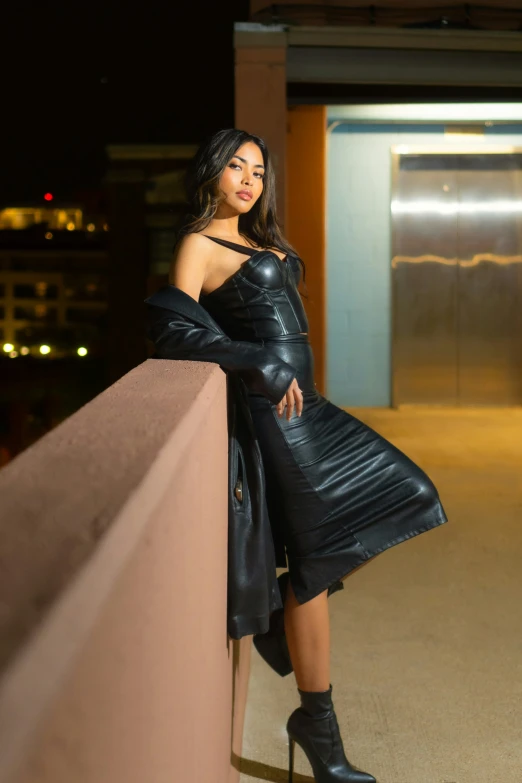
<point>48,197</point>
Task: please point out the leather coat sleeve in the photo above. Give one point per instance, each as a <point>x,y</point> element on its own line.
<point>263,372</point>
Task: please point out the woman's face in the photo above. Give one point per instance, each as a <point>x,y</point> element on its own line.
<point>242,179</point>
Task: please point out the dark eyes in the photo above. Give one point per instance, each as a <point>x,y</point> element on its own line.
<point>259,174</point>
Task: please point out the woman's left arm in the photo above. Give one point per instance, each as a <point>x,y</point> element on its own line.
<point>177,337</point>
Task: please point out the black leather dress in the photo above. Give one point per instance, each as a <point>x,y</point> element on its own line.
<point>338,493</point>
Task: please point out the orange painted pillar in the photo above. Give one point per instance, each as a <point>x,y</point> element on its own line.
<point>306,217</point>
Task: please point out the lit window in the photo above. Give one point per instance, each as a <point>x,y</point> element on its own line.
<point>20,218</point>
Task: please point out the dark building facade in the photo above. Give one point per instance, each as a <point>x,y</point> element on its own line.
<point>145,197</point>
<point>53,317</point>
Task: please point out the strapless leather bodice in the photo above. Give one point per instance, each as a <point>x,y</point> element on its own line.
<point>260,300</point>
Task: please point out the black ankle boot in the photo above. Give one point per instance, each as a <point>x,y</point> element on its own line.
<point>314,727</point>
<point>272,646</point>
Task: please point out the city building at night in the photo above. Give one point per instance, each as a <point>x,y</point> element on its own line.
<point>53,316</point>
<point>53,282</point>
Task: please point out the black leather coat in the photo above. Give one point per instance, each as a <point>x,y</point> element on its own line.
<point>181,328</point>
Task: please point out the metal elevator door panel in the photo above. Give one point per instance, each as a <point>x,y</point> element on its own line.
<point>457,279</point>
<point>490,286</point>
<point>424,277</point>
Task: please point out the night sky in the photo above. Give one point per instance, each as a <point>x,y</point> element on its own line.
<point>77,77</point>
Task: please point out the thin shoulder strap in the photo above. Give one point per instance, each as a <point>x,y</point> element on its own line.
<point>233,245</point>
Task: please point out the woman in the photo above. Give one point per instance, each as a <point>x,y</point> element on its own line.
<point>337,492</point>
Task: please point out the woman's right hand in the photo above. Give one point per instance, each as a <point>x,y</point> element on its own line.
<point>292,399</point>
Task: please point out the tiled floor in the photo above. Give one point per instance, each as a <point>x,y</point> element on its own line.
<point>427,638</point>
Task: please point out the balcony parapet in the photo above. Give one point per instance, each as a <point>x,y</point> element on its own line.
<point>116,663</point>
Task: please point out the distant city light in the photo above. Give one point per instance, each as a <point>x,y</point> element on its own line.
<point>24,350</point>
<point>48,197</point>
<point>48,234</point>
<point>82,351</point>
<point>13,354</point>
<point>45,349</point>
<point>8,347</point>
<point>105,226</point>
<point>91,227</point>
<point>70,226</point>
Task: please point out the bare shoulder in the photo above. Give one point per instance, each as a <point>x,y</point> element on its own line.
<point>190,263</point>
<point>192,248</point>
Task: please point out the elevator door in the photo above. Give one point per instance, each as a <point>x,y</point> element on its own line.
<point>457,279</point>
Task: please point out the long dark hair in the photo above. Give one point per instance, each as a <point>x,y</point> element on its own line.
<point>258,226</point>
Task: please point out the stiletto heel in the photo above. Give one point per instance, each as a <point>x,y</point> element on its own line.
<point>291,751</point>
<point>314,727</point>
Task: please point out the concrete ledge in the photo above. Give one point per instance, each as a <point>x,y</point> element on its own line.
<point>113,533</point>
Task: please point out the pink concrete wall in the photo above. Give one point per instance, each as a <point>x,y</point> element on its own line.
<point>113,530</point>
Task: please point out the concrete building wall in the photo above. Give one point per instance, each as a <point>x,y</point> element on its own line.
<point>260,100</point>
